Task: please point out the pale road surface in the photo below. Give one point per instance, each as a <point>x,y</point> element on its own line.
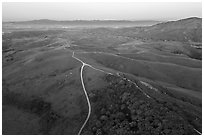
<point>89,113</point>
<point>89,104</point>
<point>197,131</point>
<point>87,98</point>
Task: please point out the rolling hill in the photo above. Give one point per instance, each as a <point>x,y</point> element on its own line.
<point>184,30</point>
<point>102,80</point>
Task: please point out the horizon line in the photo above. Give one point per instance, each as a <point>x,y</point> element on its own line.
<point>131,20</point>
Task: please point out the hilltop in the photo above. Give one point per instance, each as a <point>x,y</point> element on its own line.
<point>185,30</point>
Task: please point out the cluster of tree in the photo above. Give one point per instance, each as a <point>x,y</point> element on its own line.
<point>121,108</point>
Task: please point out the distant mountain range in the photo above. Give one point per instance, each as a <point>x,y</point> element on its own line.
<point>116,23</point>
<point>46,21</point>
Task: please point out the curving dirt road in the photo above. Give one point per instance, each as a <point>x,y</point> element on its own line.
<point>82,82</point>
<point>118,74</point>
<point>87,98</point>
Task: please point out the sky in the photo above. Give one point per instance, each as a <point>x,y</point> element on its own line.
<point>20,11</point>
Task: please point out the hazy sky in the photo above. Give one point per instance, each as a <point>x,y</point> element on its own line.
<point>92,11</point>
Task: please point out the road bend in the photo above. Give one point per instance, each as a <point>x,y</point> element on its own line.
<point>111,73</point>
<point>81,74</point>
<point>85,92</point>
<point>87,98</point>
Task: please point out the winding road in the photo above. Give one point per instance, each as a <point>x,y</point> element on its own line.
<point>82,82</point>
<point>118,74</point>
<point>83,85</point>
<point>87,98</point>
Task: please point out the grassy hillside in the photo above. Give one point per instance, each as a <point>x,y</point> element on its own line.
<point>189,78</point>
<point>184,30</point>
<point>164,59</point>
<point>138,80</point>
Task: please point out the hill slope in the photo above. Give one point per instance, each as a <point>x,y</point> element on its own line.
<point>184,30</point>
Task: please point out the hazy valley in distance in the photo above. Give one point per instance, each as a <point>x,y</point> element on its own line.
<point>102,77</point>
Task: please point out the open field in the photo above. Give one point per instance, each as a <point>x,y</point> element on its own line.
<point>102,80</point>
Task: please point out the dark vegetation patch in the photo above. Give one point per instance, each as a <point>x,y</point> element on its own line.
<point>121,108</point>
<point>176,51</point>
<point>194,53</point>
<point>191,52</point>
<point>188,108</point>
